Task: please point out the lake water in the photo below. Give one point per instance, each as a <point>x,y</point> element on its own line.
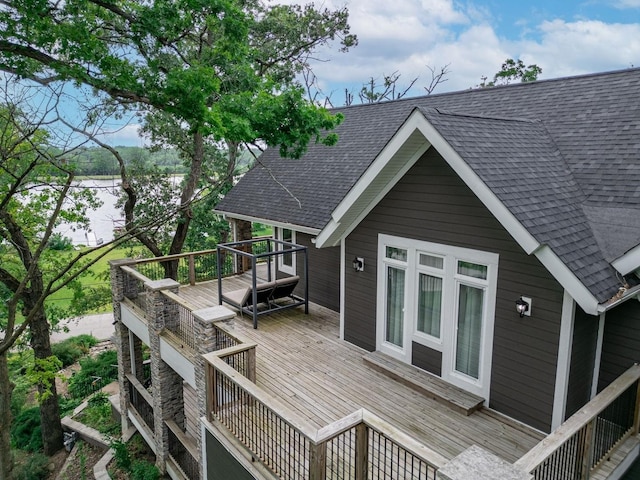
<point>102,219</point>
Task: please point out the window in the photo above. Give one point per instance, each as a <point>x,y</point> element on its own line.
<point>442,297</point>
<point>286,261</point>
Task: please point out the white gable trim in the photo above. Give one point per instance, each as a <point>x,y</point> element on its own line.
<point>628,262</point>
<point>350,208</point>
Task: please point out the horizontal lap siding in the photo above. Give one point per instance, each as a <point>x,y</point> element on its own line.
<point>583,350</point>
<point>426,358</point>
<point>432,204</point>
<point>621,342</point>
<point>324,273</point>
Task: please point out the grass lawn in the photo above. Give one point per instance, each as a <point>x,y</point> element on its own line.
<point>97,278</point>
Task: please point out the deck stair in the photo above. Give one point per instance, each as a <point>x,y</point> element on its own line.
<point>424,382</point>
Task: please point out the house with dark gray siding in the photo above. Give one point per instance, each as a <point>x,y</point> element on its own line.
<point>473,271</point>
<point>462,203</point>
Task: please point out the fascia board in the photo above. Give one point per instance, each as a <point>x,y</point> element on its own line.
<point>249,218</point>
<point>334,230</point>
<point>628,262</point>
<point>521,235</point>
<point>568,280</point>
<point>479,188</point>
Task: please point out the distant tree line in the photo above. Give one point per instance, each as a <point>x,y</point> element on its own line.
<point>96,161</point>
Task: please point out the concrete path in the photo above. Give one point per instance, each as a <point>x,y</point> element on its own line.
<point>99,325</point>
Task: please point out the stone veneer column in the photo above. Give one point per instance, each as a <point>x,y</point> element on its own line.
<point>476,463</point>
<point>119,285</point>
<point>168,400</point>
<point>204,330</point>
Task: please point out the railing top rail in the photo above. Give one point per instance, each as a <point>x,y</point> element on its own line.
<point>134,273</point>
<point>405,441</point>
<point>166,258</point>
<point>188,443</point>
<point>178,299</point>
<point>560,435</point>
<point>226,352</point>
<point>280,409</point>
<point>135,383</point>
<point>317,436</point>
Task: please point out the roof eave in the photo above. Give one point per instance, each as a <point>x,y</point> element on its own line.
<point>274,223</point>
<point>336,229</point>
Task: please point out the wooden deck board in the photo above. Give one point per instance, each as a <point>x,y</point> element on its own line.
<point>301,360</point>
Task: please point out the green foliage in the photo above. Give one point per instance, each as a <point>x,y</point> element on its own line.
<point>513,70</point>
<point>141,470</point>
<point>70,350</point>
<point>121,455</point>
<point>26,433</point>
<point>60,243</point>
<point>44,372</point>
<point>35,466</point>
<point>94,374</point>
<point>98,415</point>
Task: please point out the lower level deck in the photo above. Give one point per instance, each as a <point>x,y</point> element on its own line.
<point>302,360</point>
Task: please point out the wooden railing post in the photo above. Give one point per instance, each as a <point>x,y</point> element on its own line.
<point>362,451</point>
<point>251,364</point>
<point>212,403</point>
<point>192,269</point>
<point>318,461</point>
<point>589,437</point>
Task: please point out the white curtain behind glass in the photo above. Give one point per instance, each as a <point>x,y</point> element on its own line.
<point>469,330</point>
<point>395,305</point>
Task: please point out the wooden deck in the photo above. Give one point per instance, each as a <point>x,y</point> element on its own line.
<point>301,359</point>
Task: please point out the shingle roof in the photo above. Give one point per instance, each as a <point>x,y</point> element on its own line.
<point>558,153</point>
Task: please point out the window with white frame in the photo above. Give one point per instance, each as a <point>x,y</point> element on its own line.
<point>442,297</point>
<point>286,261</point>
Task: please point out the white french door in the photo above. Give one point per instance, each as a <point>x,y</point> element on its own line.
<point>441,297</point>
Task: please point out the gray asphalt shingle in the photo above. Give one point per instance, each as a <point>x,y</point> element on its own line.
<point>560,154</point>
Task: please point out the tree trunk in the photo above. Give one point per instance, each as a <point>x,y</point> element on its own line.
<point>6,387</point>
<point>52,438</point>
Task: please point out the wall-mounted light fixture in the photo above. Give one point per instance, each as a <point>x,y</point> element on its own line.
<point>358,264</point>
<point>523,306</point>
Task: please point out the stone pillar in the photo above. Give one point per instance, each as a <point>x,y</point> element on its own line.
<point>168,399</point>
<point>118,289</point>
<point>205,336</point>
<point>476,463</point>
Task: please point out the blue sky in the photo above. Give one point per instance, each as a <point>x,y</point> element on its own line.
<point>563,37</point>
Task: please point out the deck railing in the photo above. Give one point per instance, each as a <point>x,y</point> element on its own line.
<point>184,326</point>
<point>134,287</point>
<point>358,446</point>
<point>576,448</point>
<point>183,451</point>
<point>141,400</point>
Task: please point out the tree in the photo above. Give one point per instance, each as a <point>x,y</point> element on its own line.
<point>208,73</point>
<point>374,91</point>
<point>37,192</point>
<point>511,71</point>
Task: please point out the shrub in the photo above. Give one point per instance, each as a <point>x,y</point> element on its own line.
<point>59,242</point>
<point>98,415</point>
<point>141,470</point>
<point>94,374</point>
<point>26,433</point>
<point>121,455</point>
<point>34,467</point>
<point>70,350</point>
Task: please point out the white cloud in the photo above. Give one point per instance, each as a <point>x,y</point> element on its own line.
<point>128,135</point>
<point>627,4</point>
<point>569,48</point>
<point>407,35</point>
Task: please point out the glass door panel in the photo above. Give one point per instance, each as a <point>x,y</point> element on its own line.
<point>394,325</point>
<point>469,330</point>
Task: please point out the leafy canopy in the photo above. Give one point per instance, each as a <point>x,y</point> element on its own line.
<point>224,68</point>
